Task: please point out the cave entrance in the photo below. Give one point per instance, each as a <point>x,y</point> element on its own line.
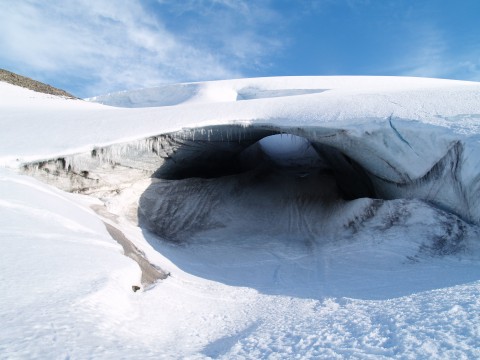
<point>208,185</point>
<point>289,150</point>
<point>300,154</point>
<point>216,155</point>
<point>277,210</point>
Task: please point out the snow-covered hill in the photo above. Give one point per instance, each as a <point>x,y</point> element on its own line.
<point>307,217</point>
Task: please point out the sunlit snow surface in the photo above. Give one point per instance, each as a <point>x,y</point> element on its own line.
<point>264,286</point>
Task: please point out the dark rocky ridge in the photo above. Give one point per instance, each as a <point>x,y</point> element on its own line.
<point>31,84</point>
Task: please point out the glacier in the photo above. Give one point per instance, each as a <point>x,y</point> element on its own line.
<point>270,209</point>
<point>369,162</point>
<point>394,156</point>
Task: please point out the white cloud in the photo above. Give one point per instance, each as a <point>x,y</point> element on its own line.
<point>426,55</point>
<point>471,67</point>
<point>243,33</point>
<point>430,54</point>
<point>112,45</point>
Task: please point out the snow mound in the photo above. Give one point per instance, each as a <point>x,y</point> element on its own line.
<point>262,88</point>
<point>178,94</point>
<point>167,95</point>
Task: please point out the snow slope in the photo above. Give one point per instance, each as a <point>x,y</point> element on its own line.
<point>287,267</point>
<point>343,100</point>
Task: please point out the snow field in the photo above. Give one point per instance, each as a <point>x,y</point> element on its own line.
<point>345,286</point>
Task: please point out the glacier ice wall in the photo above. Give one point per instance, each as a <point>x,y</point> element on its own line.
<point>383,158</point>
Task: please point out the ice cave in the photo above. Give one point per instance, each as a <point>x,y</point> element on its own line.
<point>307,184</point>
<point>304,215</point>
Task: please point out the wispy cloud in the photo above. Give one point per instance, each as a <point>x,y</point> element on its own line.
<point>242,33</point>
<point>426,52</point>
<point>112,45</point>
<point>431,54</point>
<point>470,69</point>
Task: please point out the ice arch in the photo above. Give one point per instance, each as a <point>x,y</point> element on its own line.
<point>378,158</point>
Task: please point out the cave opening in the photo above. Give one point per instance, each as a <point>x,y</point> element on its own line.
<point>207,186</point>
<point>282,153</point>
<point>264,186</point>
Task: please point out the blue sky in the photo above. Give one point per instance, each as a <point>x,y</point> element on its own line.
<point>90,47</point>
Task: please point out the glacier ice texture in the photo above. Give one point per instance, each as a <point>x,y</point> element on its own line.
<point>210,178</point>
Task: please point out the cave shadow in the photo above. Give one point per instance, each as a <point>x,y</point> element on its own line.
<point>265,239</point>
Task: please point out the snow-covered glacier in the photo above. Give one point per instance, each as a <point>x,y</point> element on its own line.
<point>414,151</point>
<point>307,188</point>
